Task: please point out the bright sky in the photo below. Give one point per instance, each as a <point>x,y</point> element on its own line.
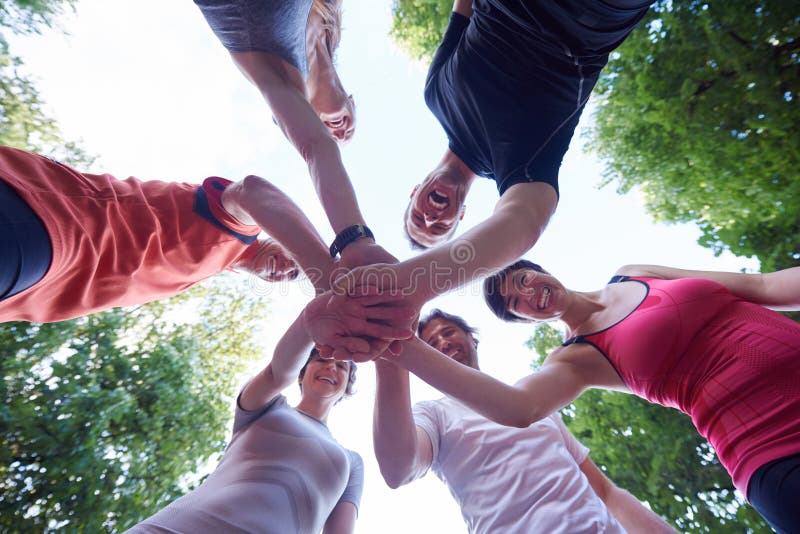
<point>150,90</point>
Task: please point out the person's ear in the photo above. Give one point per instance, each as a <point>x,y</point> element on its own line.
<point>463,211</point>
<point>414,191</point>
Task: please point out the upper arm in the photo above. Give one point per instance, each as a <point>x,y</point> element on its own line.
<point>284,90</point>
<point>526,208</point>
<point>463,7</point>
<point>342,519</point>
<point>601,485</point>
<point>424,456</point>
<point>260,390</point>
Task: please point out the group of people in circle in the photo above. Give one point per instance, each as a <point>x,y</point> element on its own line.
<point>508,85</point>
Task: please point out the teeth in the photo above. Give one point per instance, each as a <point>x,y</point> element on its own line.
<point>544,298</point>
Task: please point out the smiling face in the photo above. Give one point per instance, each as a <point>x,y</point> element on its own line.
<point>533,295</point>
<point>325,378</point>
<point>337,111</point>
<point>271,262</point>
<point>452,341</point>
<point>437,204</point>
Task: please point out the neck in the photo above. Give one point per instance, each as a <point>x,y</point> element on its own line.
<point>452,162</point>
<point>317,408</point>
<point>580,309</point>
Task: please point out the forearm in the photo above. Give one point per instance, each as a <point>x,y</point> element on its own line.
<point>513,228</point>
<point>633,515</point>
<point>493,399</point>
<point>331,182</point>
<point>393,428</point>
<point>289,356</point>
<point>255,200</point>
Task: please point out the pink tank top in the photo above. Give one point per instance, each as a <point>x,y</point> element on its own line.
<point>732,366</point>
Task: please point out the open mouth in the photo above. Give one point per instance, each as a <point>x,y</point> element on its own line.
<point>335,123</point>
<point>438,199</point>
<point>544,298</point>
<point>327,379</point>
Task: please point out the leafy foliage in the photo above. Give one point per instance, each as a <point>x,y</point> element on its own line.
<point>105,419</point>
<point>418,25</point>
<point>24,124</point>
<point>656,454</point>
<point>699,110</point>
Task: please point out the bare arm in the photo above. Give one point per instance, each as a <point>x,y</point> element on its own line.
<point>626,508</point>
<point>254,200</point>
<point>779,290</point>
<point>534,397</point>
<point>342,519</point>
<point>289,357</point>
<point>463,7</point>
<point>403,450</point>
<point>284,91</point>
<point>519,219</point>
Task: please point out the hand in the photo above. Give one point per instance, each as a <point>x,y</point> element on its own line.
<point>365,252</point>
<point>356,329</point>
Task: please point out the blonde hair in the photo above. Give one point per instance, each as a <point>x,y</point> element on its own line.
<point>330,11</point>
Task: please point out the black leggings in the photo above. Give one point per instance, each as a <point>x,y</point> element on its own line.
<point>25,248</point>
<point>774,491</point>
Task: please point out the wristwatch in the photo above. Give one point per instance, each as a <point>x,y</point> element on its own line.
<point>347,236</point>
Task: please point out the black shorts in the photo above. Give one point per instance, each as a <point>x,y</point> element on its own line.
<point>774,490</point>
<point>25,247</point>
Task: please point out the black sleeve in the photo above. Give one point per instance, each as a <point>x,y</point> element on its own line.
<point>452,35</point>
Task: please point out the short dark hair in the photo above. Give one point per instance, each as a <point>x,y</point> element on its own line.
<point>436,313</point>
<point>491,290</point>
<point>351,376</point>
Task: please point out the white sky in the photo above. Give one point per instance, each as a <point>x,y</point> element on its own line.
<point>149,89</point>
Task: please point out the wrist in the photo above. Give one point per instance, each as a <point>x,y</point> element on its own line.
<point>349,237</point>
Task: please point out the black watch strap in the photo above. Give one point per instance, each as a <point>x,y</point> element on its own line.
<point>347,236</point>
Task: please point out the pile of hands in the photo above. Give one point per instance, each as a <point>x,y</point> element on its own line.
<point>368,310</point>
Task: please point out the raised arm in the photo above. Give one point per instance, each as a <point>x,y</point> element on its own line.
<point>779,290</point>
<point>290,355</point>
<point>558,383</point>
<point>626,508</point>
<point>283,89</point>
<point>403,450</point>
<point>255,200</point>
<point>519,219</point>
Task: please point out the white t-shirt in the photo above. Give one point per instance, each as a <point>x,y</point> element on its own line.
<point>513,480</point>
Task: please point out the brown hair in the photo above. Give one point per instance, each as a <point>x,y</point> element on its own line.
<point>491,290</point>
<point>351,376</point>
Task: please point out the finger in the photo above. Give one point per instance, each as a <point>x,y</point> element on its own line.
<point>397,315</point>
<point>395,347</point>
<point>381,331</point>
<point>353,344</point>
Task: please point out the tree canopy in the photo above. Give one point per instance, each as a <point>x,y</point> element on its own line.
<point>107,418</point>
<point>698,110</point>
<point>656,454</point>
<point>24,122</point>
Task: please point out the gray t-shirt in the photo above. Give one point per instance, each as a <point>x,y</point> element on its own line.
<point>282,473</point>
<point>274,26</point>
<point>513,480</point>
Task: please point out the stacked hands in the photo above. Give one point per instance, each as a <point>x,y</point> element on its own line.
<point>364,314</point>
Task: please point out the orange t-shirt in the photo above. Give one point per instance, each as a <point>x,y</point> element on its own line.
<point>118,242</point>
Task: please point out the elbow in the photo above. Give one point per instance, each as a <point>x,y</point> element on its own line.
<point>393,478</point>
